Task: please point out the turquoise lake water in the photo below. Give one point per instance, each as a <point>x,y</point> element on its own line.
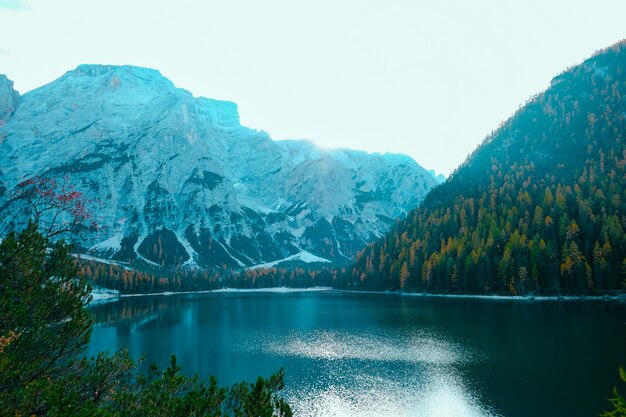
<point>349,354</point>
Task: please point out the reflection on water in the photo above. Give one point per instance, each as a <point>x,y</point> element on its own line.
<point>384,355</point>
<point>130,309</point>
<point>357,381</point>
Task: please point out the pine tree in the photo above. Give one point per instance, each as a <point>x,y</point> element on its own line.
<point>43,323</point>
<point>618,402</point>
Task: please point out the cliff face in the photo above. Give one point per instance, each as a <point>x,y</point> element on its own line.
<point>8,99</point>
<point>183,183</point>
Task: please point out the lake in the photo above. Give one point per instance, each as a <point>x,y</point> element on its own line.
<point>355,354</point>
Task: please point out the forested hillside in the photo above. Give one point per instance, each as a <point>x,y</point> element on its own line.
<point>539,206</point>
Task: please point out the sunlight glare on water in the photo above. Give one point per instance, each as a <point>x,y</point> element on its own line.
<point>362,378</point>
<point>439,396</point>
<point>417,348</point>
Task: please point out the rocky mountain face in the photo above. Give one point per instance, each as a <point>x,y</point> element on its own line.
<point>182,183</point>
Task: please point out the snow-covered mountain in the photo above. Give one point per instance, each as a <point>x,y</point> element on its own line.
<point>183,183</point>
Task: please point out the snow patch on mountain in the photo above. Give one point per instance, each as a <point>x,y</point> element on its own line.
<point>114,243</point>
<point>303,256</point>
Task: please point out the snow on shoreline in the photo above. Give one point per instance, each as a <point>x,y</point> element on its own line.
<point>99,295</point>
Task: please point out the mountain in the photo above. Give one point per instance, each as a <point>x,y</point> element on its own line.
<point>440,178</point>
<point>182,183</point>
<point>539,206</point>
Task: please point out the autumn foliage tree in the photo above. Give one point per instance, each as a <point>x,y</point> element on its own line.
<point>54,205</point>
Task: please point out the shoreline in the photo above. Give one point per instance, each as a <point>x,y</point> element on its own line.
<point>530,297</point>
<point>497,297</point>
<point>286,290</point>
<point>282,290</point>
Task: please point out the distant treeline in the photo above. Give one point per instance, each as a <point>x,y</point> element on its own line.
<point>133,281</point>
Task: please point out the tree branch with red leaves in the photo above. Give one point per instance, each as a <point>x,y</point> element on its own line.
<point>56,206</point>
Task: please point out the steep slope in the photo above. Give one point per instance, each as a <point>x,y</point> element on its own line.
<point>181,182</point>
<point>539,207</point>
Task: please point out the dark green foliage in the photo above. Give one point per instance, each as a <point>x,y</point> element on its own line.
<point>166,393</point>
<point>210,251</point>
<point>91,387</point>
<point>539,207</point>
<point>618,402</point>
<point>318,234</point>
<point>43,325</point>
<point>163,248</point>
<point>259,399</point>
<point>44,328</point>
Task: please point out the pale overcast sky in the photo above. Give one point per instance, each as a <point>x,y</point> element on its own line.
<point>427,78</point>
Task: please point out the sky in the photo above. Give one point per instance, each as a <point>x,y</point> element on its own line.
<point>425,78</point>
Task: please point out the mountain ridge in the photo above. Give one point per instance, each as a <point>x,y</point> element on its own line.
<point>184,183</point>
